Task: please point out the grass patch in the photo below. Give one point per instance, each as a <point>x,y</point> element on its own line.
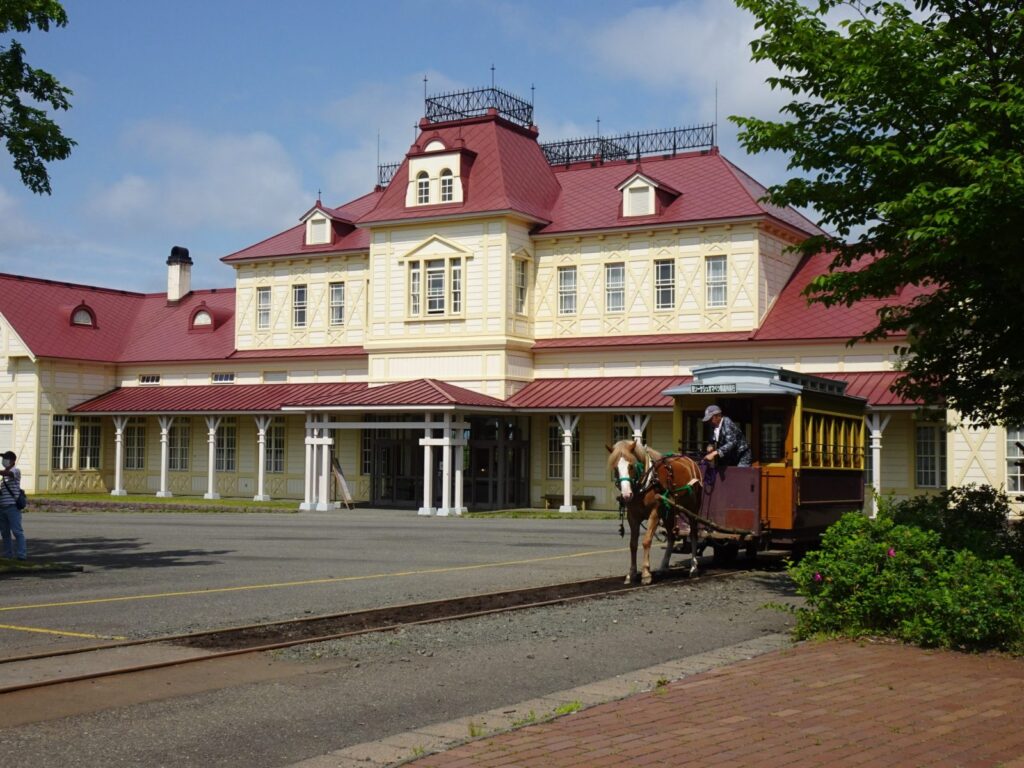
<point>34,566</point>
<point>545,514</point>
<point>96,502</point>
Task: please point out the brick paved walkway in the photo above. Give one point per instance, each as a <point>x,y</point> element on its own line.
<point>827,704</point>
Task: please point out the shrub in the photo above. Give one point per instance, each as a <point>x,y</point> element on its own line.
<point>876,577</point>
<point>972,517</point>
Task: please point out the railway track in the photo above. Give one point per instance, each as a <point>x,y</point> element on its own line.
<point>24,673</point>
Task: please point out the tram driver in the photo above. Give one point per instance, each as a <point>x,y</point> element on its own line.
<point>730,446</point>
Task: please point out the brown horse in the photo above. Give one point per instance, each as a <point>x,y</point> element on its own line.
<point>645,478</point>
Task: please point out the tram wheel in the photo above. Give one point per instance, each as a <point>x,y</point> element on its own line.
<point>726,552</point>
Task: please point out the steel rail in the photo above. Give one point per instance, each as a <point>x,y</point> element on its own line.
<point>434,604</point>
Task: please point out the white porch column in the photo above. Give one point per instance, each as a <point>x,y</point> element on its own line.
<point>325,443</point>
<point>310,470</point>
<point>568,423</point>
<point>262,425</point>
<point>876,425</point>
<point>638,423</point>
<point>428,468</point>
<point>446,468</point>
<point>212,422</point>
<point>457,446</point>
<point>165,427</point>
<point>119,424</point>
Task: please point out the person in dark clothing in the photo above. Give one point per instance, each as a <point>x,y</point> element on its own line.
<point>10,516</point>
<point>730,447</point>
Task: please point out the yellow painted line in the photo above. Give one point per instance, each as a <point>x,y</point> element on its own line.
<point>309,582</point>
<point>60,632</point>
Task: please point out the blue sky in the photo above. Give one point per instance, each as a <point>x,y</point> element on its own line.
<point>212,124</point>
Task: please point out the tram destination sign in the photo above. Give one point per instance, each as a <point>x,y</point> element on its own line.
<point>711,389</point>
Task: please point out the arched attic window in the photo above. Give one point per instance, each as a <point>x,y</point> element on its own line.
<point>83,316</point>
<point>447,186</point>
<point>422,188</point>
<point>201,319</point>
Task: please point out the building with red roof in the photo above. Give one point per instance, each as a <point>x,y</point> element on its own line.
<point>469,334</point>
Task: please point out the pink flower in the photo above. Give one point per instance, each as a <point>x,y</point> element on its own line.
<point>892,552</point>
<point>817,577</point>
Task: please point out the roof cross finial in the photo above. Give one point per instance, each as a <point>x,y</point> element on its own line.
<point>318,196</point>
<point>599,127</point>
<point>492,74</point>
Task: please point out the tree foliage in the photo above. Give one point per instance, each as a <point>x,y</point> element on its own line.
<point>905,130</point>
<point>31,137</point>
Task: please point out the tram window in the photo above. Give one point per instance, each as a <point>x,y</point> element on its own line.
<point>773,435</point>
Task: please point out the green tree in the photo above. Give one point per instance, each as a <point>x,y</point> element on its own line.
<point>904,129</point>
<point>31,137</point>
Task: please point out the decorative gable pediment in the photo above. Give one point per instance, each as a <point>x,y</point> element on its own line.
<point>437,247</point>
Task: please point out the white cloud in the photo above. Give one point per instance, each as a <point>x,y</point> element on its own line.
<point>689,47</point>
<point>182,179</point>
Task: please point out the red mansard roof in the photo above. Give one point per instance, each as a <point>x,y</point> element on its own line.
<point>129,327</point>
<point>508,173</point>
<point>709,188</point>
<point>217,398</point>
<point>292,242</point>
<point>605,393</point>
<point>791,318</point>
<point>619,393</point>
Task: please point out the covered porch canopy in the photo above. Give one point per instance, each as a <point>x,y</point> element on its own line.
<point>441,403</point>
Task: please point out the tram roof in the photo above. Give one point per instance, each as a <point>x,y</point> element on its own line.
<point>757,379</point>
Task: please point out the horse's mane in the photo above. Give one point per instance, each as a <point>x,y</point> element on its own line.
<point>627,449</point>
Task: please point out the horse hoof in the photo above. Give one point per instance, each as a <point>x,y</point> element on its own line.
<point>646,580</point>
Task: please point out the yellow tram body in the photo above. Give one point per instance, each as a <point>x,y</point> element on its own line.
<point>807,438</point>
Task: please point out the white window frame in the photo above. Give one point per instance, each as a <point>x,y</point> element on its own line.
<point>273,458</point>
<point>337,304</point>
<point>422,188</point>
<point>930,456</point>
<point>436,287</point>
<point>222,377</point>
<point>665,284</point>
<point>226,445</point>
<point>300,305</point>
<point>149,378</point>
<point>1014,473</point>
<point>134,443</point>
<point>447,186</point>
<point>521,269</point>
<point>615,287</point>
<point>567,290</point>
<point>90,442</point>
<point>716,275</point>
<point>318,232</point>
<point>179,442</point>
<point>62,443</point>
<point>263,301</point>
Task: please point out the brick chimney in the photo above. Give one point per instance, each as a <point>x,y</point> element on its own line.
<point>179,274</point>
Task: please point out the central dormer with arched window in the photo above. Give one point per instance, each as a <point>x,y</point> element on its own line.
<point>435,175</point>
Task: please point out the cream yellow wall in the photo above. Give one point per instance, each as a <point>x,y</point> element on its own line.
<point>61,386</point>
<point>315,273</point>
<point>688,248</point>
<point>310,370</point>
<point>654,360</point>
<point>483,246</point>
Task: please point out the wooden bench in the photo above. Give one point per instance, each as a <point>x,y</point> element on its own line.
<point>557,499</point>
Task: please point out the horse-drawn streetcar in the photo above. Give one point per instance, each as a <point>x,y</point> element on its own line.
<point>807,441</point>
<point>806,437</point>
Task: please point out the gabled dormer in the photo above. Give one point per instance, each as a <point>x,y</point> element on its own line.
<point>323,225</point>
<point>437,172</point>
<point>643,195</point>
